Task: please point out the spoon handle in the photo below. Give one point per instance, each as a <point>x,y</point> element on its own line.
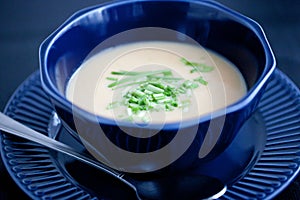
<point>14,127</point>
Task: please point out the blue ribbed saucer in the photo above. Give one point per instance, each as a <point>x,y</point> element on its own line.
<point>263,159</point>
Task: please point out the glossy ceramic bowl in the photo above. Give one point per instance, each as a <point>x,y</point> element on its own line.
<point>176,146</point>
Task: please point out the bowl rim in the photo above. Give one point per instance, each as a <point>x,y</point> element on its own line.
<point>50,88</point>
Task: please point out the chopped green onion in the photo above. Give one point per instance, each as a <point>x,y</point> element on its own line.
<point>133,76</point>
<point>201,80</point>
<point>165,78</point>
<point>134,107</point>
<point>128,84</point>
<point>158,96</point>
<point>182,90</point>
<point>157,84</point>
<point>189,84</point>
<point>169,107</point>
<point>148,91</point>
<point>174,103</point>
<point>133,99</point>
<point>138,93</point>
<point>111,79</point>
<point>197,67</point>
<point>154,89</point>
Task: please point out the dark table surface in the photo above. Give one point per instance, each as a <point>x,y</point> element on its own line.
<point>25,24</point>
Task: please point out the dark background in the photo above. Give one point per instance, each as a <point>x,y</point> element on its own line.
<point>24,24</point>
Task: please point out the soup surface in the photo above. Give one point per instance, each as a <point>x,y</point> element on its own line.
<point>155,82</point>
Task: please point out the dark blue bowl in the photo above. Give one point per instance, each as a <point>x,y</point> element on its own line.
<point>176,146</point>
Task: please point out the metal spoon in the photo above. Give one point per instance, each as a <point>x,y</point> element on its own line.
<point>146,187</point>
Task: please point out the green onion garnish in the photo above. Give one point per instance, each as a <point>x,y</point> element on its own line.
<point>197,67</point>
<point>201,80</point>
<point>154,90</point>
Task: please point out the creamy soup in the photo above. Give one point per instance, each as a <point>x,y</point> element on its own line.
<point>155,82</point>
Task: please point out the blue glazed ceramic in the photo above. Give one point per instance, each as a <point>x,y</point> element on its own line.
<point>212,25</point>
